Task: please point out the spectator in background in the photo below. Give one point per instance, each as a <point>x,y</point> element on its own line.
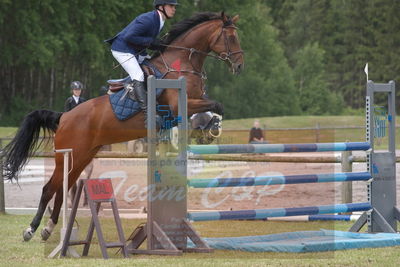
<point>70,103</point>
<point>76,98</point>
<point>256,135</point>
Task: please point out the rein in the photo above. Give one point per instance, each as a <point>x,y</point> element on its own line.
<point>223,56</point>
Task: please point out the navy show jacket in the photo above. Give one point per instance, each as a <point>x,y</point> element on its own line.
<point>138,35</point>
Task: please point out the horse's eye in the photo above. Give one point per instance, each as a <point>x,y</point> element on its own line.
<point>232,39</point>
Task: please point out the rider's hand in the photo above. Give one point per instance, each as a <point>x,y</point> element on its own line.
<point>156,45</point>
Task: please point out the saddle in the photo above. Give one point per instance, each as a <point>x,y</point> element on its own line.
<point>122,105</point>
<point>115,85</point>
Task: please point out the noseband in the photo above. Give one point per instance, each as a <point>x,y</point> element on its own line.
<point>223,56</point>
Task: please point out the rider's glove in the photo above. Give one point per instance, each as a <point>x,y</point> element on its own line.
<point>156,45</point>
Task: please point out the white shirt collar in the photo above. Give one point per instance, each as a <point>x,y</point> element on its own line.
<point>76,98</point>
<point>162,21</point>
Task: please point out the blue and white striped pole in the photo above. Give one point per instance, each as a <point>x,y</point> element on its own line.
<point>279,179</point>
<point>277,148</point>
<point>278,212</point>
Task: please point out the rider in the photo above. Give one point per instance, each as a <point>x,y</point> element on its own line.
<point>129,46</point>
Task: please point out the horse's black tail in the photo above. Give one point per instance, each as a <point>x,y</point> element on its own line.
<point>26,141</point>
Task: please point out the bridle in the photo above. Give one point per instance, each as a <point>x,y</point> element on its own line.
<point>223,56</point>
<point>226,55</point>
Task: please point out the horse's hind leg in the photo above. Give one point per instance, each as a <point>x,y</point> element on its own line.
<point>80,164</point>
<point>47,193</point>
<point>88,170</point>
<point>72,191</point>
<point>51,223</point>
<point>53,220</point>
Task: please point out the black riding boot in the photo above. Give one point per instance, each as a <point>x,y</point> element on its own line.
<point>140,95</point>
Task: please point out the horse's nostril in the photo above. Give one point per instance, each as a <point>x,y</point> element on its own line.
<point>238,68</point>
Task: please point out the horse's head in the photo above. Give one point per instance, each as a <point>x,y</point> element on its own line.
<point>225,43</point>
<point>206,126</point>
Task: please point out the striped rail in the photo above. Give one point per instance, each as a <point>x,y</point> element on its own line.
<point>279,179</point>
<point>328,217</point>
<point>278,212</point>
<point>278,148</point>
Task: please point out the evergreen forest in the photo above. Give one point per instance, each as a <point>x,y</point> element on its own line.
<point>302,57</point>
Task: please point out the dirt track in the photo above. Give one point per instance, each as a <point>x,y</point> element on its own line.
<point>129,181</point>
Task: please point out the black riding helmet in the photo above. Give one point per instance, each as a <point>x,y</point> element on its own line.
<point>76,85</point>
<point>158,3</point>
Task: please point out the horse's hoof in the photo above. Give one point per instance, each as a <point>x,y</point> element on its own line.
<point>28,234</point>
<point>219,109</point>
<point>45,234</point>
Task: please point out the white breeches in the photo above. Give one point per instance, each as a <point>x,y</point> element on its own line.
<point>130,64</point>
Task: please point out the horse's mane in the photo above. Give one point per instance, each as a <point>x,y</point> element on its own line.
<point>186,24</point>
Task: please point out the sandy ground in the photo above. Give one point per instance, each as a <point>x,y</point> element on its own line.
<point>130,180</point>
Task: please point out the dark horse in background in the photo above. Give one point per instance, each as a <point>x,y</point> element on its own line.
<point>191,41</point>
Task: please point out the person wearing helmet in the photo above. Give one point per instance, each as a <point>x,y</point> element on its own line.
<point>75,99</point>
<point>129,46</point>
<point>70,103</point>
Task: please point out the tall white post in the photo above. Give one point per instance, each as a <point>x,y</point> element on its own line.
<point>65,185</point>
<point>70,250</point>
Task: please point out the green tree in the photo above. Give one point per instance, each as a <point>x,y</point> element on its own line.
<point>309,73</point>
<point>45,44</point>
<point>384,57</point>
<point>266,86</point>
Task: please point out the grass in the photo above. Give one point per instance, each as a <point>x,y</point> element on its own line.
<point>268,122</point>
<point>295,122</point>
<point>237,131</point>
<point>15,252</point>
<point>7,131</point>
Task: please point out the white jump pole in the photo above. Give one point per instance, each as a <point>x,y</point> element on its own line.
<point>70,250</point>
<point>65,184</point>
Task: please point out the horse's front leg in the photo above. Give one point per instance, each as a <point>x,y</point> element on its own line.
<point>204,105</point>
<point>212,128</point>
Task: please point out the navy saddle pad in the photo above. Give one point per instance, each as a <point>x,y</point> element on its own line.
<point>123,106</point>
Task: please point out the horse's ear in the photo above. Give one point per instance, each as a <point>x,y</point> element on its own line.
<point>235,19</point>
<point>223,16</point>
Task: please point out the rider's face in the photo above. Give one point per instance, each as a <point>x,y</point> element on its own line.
<point>77,92</point>
<point>170,10</point>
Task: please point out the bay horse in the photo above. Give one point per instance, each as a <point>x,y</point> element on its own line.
<point>92,124</point>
